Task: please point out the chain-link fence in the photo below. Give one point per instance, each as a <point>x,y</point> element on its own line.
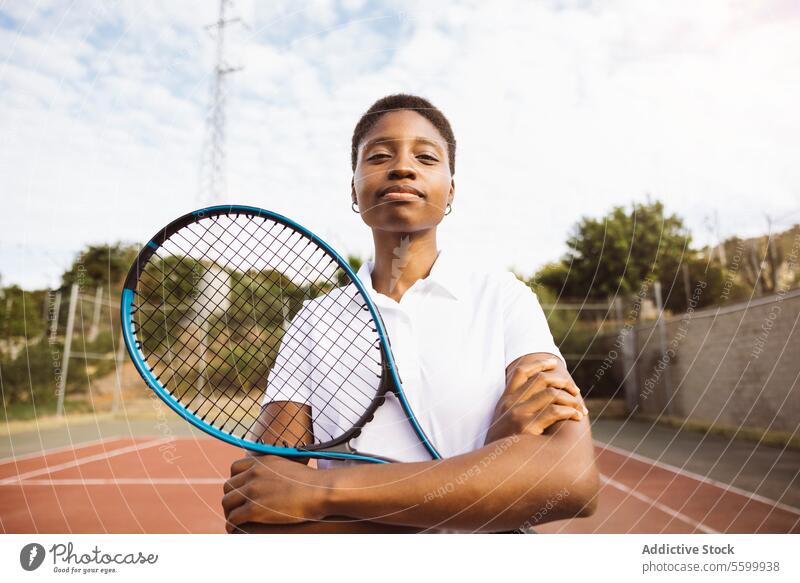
<point>59,349</point>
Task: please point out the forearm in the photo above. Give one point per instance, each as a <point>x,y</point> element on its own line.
<point>496,488</point>
<point>328,526</point>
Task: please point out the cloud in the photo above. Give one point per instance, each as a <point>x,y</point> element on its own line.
<point>561,109</point>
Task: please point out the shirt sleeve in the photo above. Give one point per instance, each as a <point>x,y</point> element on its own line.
<point>525,326</point>
<point>290,377</point>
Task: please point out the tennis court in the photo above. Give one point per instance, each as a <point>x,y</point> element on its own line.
<point>107,475</point>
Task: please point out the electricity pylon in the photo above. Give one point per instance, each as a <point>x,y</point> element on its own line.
<point>212,172</point>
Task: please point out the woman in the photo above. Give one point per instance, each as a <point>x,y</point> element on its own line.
<point>478,364</point>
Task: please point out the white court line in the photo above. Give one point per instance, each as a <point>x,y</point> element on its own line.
<point>699,478</point>
<point>44,452</point>
<point>121,482</point>
<point>663,508</point>
<point>84,460</point>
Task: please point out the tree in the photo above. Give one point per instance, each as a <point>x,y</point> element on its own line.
<point>355,262</point>
<point>617,254</point>
<point>97,265</point>
<point>20,315</point>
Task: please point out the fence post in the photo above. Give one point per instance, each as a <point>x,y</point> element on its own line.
<point>687,288</point>
<point>98,298</point>
<point>618,310</point>
<point>662,337</point>
<point>62,385</point>
<point>627,336</point>
<point>56,313</point>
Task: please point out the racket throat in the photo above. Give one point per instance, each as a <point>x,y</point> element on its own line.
<point>385,387</point>
<point>344,448</point>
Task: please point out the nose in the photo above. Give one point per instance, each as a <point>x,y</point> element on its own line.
<point>402,167</point>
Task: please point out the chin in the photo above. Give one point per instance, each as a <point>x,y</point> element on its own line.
<point>403,218</point>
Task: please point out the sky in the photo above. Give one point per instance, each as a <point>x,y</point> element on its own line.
<point>561,109</point>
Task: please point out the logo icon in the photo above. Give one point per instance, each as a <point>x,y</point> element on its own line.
<point>31,556</point>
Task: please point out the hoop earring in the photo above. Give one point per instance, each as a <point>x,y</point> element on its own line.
<point>354,207</point>
<point>448,209</point>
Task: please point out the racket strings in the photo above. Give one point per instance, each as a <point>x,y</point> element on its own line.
<point>332,394</point>
<point>214,310</point>
<point>348,327</point>
<point>190,404</point>
<point>332,370</point>
<point>320,390</point>
<point>216,306</point>
<point>323,332</point>
<point>186,253</point>
<point>330,260</point>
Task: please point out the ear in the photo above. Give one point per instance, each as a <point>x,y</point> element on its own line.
<point>353,196</point>
<point>452,194</point>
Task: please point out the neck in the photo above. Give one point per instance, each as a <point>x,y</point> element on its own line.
<point>401,259</point>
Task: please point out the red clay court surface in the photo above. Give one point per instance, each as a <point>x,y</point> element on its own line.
<point>153,485</point>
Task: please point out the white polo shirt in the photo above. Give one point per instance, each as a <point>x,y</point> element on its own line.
<point>452,334</point>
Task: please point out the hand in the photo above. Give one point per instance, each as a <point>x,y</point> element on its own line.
<point>539,392</point>
<point>272,490</point>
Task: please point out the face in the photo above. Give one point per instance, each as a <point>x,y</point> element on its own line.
<point>402,180</point>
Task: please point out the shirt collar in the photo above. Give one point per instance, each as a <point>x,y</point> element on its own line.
<point>444,275</point>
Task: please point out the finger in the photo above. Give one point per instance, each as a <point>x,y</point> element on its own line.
<point>562,380</point>
<point>541,420</point>
<point>241,465</point>
<point>522,372</point>
<point>238,481</point>
<point>563,397</point>
<point>560,412</point>
<point>553,396</point>
<point>583,404</point>
<point>233,499</point>
<point>553,414</point>
<point>235,529</point>
<point>521,393</point>
<point>539,410</point>
<point>558,379</point>
<point>536,412</point>
<point>238,516</point>
<point>536,385</point>
<point>235,482</point>
<point>528,369</point>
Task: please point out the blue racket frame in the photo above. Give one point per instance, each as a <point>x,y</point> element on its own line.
<point>138,359</point>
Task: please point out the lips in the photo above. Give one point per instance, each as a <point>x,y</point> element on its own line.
<point>401,192</point>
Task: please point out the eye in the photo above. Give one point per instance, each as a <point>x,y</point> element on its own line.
<point>429,157</point>
<point>376,156</point>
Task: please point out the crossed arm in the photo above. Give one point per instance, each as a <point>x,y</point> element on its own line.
<point>539,451</point>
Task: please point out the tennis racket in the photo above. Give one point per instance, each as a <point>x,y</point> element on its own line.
<point>257,332</point>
